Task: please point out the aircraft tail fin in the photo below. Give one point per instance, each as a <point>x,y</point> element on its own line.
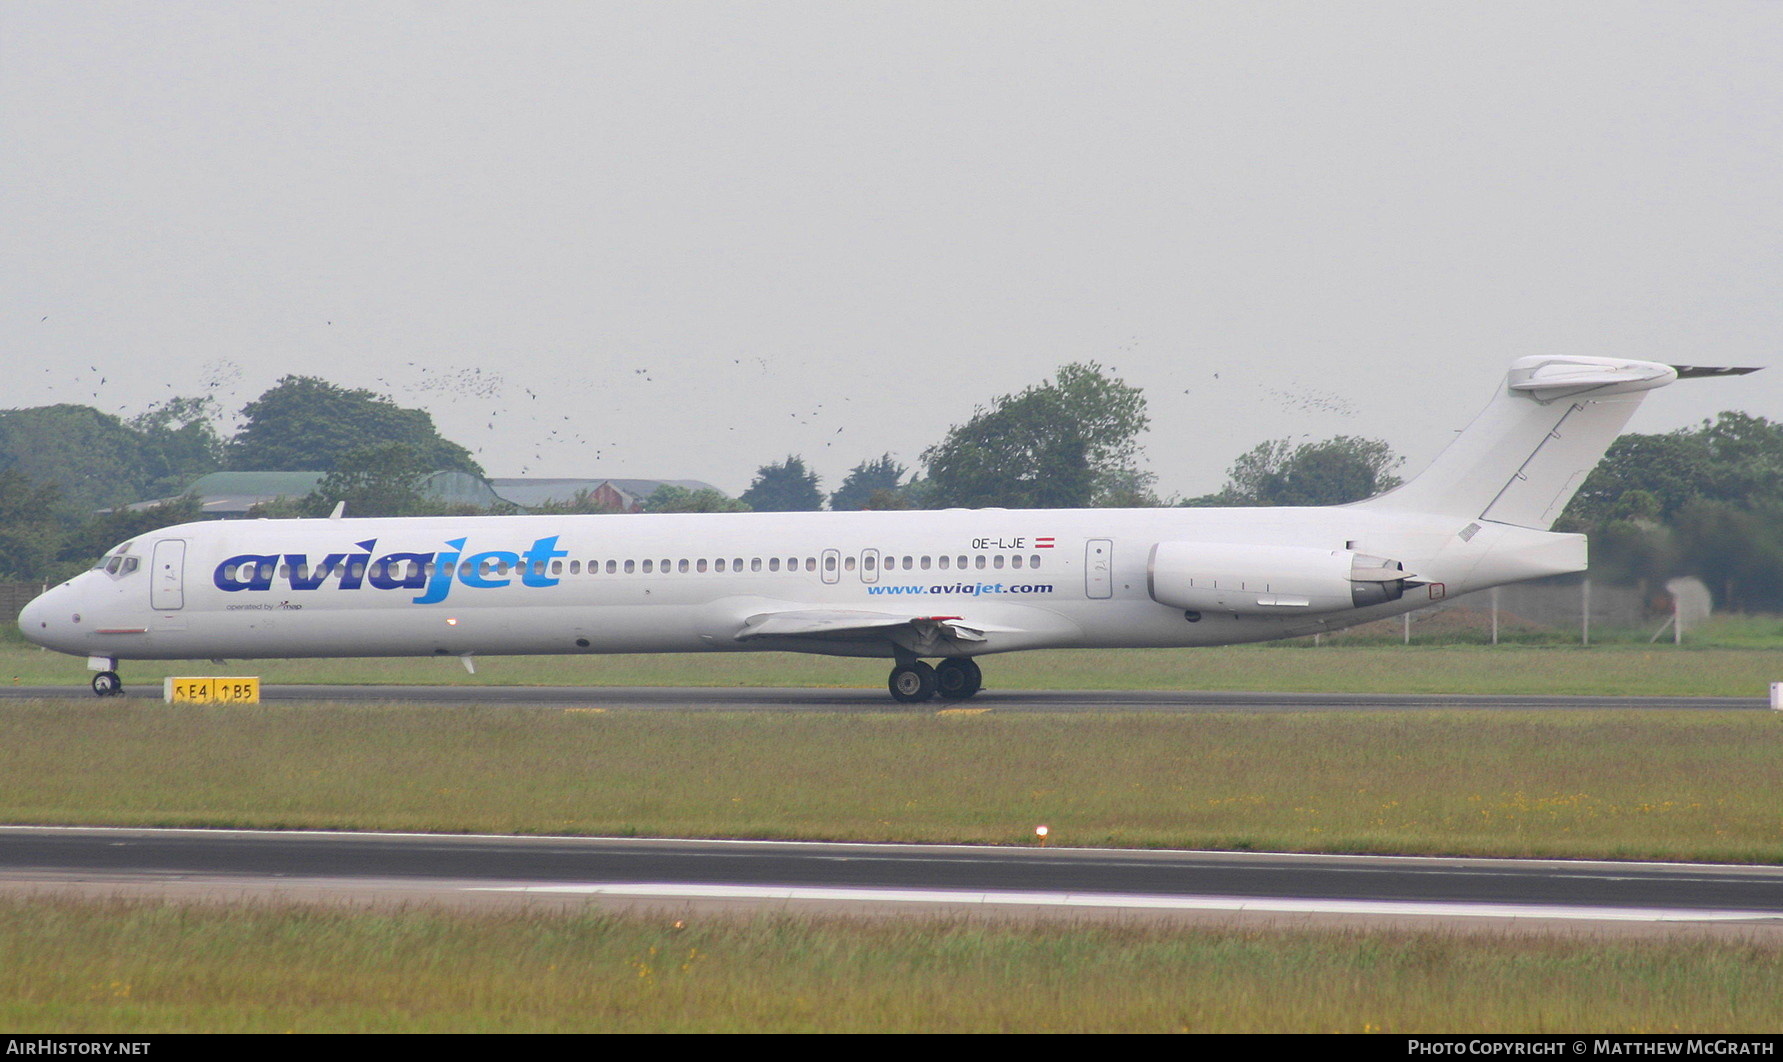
<point>1525,456</point>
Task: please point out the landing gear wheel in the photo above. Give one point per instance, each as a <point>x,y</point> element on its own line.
<point>957,678</point>
<point>912,682</point>
<point>107,684</point>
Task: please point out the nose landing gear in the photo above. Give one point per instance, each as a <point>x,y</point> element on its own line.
<point>106,683</point>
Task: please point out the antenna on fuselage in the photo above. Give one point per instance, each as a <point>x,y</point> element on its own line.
<point>339,508</point>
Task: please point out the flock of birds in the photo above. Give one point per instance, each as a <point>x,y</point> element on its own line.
<point>553,433</point>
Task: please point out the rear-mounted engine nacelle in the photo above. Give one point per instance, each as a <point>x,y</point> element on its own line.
<point>1270,580</point>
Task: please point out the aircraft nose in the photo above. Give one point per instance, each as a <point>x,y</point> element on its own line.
<point>42,621</point>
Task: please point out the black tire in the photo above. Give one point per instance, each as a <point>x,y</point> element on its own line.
<point>958,677</point>
<point>107,684</point>
<point>912,683</point>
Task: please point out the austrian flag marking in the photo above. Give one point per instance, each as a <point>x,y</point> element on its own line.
<point>1043,543</point>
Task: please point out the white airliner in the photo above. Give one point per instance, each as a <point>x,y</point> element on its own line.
<point>952,585</point>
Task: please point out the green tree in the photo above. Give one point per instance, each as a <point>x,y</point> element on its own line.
<point>786,487</point>
<point>31,532</point>
<point>1736,550</point>
<point>95,459</point>
<point>1341,469</point>
<point>180,434</point>
<point>1069,442</point>
<point>373,481</point>
<point>863,486</point>
<point>672,499</point>
<point>1701,501</point>
<point>303,423</point>
<point>1735,458</point>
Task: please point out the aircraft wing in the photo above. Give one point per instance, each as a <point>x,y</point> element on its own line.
<point>924,633</point>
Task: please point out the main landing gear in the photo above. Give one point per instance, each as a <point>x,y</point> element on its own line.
<point>955,679</point>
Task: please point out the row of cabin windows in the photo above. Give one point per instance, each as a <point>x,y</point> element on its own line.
<point>487,569</point>
<point>869,562</point>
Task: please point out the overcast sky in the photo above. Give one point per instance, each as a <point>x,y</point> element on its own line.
<point>682,240</point>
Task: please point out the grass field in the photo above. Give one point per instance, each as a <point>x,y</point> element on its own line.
<point>128,967</point>
<point>1677,785</point>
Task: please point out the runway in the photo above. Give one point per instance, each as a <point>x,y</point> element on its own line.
<point>877,700</point>
<point>690,874</point>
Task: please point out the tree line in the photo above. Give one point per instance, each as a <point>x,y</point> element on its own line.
<point>1705,501</point>
<point>67,472</point>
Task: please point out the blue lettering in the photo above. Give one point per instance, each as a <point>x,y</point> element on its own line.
<point>431,573</point>
<point>250,571</point>
<point>471,573</point>
<point>356,565</point>
<point>537,557</point>
<point>302,578</point>
<point>442,575</point>
<point>400,571</point>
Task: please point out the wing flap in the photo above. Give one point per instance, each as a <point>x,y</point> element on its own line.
<point>854,624</point>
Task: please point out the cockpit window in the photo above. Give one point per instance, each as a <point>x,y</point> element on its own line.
<point>117,564</point>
